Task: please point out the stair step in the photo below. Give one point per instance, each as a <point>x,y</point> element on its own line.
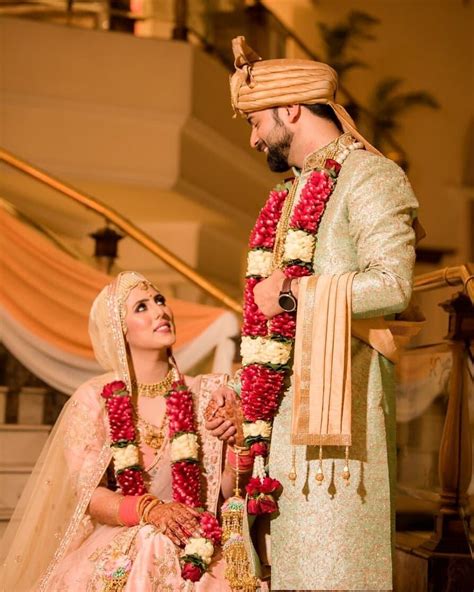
<point>3,402</point>
<point>21,444</point>
<point>17,469</point>
<point>20,447</point>
<point>12,482</point>
<point>5,515</point>
<point>24,427</point>
<point>31,404</point>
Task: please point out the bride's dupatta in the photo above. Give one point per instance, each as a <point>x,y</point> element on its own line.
<point>50,519</point>
<point>50,515</point>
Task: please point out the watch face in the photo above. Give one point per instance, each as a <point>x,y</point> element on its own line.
<point>287,302</point>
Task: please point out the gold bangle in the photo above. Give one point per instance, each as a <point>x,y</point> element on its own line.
<point>143,502</point>
<point>240,450</point>
<point>148,509</point>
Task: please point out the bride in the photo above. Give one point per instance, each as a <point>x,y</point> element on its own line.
<point>116,499</point>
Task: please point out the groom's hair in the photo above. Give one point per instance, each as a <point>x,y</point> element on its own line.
<point>325,112</point>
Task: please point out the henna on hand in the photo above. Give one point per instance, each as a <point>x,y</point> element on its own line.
<point>224,416</point>
<point>176,521</point>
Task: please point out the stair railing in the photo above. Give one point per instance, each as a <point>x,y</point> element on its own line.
<point>125,225</point>
<point>451,535</point>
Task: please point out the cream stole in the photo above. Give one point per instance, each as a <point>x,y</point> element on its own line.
<point>322,399</point>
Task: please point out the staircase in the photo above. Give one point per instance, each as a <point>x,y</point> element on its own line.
<point>20,447</point>
<point>28,409</point>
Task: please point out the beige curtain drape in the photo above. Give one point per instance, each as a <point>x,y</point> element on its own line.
<point>45,299</point>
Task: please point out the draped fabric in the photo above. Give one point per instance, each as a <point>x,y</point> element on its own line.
<point>322,400</point>
<point>45,299</point>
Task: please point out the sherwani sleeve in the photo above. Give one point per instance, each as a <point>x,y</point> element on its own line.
<point>381,210</point>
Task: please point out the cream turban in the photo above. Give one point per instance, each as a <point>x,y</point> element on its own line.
<point>263,84</point>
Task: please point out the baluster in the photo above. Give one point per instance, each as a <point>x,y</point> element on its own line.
<point>180,29</point>
<point>455,456</point>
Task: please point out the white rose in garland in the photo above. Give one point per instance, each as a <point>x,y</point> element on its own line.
<point>277,352</point>
<point>251,349</point>
<point>259,263</point>
<point>257,428</point>
<point>201,547</point>
<point>299,245</point>
<point>184,447</point>
<point>261,350</point>
<point>125,457</point>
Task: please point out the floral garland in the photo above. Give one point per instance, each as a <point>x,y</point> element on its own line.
<point>267,345</point>
<point>185,471</point>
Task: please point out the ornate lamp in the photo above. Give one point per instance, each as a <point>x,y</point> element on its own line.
<point>106,246</point>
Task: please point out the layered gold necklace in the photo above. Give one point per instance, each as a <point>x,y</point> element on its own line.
<point>156,389</point>
<point>152,435</point>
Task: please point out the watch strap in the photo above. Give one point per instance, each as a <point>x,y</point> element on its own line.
<point>286,286</point>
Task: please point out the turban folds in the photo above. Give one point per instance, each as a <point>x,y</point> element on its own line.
<point>264,84</point>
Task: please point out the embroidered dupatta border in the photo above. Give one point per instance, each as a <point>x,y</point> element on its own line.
<point>103,461</point>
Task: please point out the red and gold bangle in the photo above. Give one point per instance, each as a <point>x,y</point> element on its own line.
<point>128,511</point>
<point>239,458</point>
<point>117,510</point>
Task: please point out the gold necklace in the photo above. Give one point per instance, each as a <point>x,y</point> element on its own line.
<point>150,434</point>
<point>156,389</point>
<point>282,227</point>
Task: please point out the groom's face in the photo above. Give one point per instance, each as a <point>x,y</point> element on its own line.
<point>270,135</point>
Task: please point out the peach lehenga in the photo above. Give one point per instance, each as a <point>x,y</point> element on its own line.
<point>52,543</point>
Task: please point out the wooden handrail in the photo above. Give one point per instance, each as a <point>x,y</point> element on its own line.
<point>123,224</point>
<point>449,276</point>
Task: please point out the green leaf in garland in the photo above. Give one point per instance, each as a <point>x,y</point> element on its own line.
<point>195,560</point>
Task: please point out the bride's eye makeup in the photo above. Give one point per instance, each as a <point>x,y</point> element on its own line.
<point>140,306</point>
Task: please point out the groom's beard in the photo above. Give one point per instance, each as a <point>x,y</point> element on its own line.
<point>278,151</point>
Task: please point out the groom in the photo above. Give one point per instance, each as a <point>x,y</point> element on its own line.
<point>336,246</point>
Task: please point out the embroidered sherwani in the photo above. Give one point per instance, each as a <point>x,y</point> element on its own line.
<point>332,536</point>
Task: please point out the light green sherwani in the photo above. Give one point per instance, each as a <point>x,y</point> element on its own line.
<point>333,536</point>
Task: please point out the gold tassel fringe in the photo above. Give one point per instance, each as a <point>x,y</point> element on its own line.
<point>237,572</point>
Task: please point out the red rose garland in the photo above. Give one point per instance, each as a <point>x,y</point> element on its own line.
<point>123,436</point>
<point>264,370</point>
<point>185,471</point>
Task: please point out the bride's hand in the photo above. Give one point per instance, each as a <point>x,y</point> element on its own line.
<point>178,522</point>
<point>224,418</point>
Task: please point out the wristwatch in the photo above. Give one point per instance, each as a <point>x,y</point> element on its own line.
<point>286,299</point>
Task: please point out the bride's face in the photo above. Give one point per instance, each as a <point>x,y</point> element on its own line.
<point>148,319</point>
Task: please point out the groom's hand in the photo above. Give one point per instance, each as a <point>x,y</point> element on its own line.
<point>266,294</point>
